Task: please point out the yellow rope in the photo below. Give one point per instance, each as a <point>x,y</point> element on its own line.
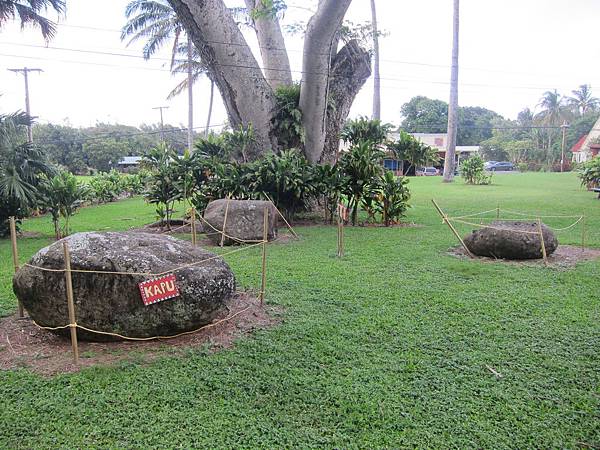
<point>146,338</point>
<point>241,241</point>
<point>570,226</point>
<point>494,228</point>
<point>536,216</point>
<point>474,214</point>
<point>146,273</point>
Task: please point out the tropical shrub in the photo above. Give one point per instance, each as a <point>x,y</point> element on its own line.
<point>589,173</point>
<point>360,166</point>
<point>329,184</point>
<point>408,148</point>
<point>162,183</point>
<point>288,118</point>
<point>363,130</point>
<point>61,196</point>
<point>473,171</point>
<point>107,186</point>
<point>392,201</point>
<point>286,178</point>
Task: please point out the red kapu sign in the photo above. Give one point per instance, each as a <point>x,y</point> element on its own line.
<point>158,289</point>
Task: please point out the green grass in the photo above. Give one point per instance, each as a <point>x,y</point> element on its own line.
<point>387,347</point>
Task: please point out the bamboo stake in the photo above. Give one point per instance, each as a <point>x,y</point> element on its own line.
<point>263,282</point>
<point>224,221</point>
<point>71,305</point>
<point>583,230</point>
<point>498,212</point>
<point>447,222</point>
<point>15,253</point>
<point>281,215</point>
<point>339,236</point>
<point>193,225</point>
<point>542,241</point>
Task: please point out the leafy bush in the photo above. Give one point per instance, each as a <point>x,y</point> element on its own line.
<point>393,197</point>
<point>61,196</point>
<point>363,130</point>
<point>107,186</point>
<point>589,173</point>
<point>288,116</point>
<point>162,183</point>
<point>408,148</point>
<point>472,170</point>
<point>360,166</point>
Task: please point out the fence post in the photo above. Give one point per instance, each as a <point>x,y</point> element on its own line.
<point>542,241</point>
<point>193,225</point>
<point>498,212</point>
<point>15,254</point>
<point>71,304</point>
<point>263,283</point>
<point>447,222</point>
<point>224,222</point>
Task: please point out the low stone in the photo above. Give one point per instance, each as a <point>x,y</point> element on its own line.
<point>245,219</point>
<point>112,302</point>
<point>511,240</point>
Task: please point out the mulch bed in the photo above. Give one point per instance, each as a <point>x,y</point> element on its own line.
<point>565,256</point>
<point>24,345</point>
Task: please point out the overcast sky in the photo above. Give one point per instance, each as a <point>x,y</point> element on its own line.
<point>511,51</point>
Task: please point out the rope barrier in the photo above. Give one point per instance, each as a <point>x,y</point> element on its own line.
<point>241,241</point>
<point>478,225</point>
<point>474,214</point>
<point>129,338</point>
<point>106,272</point>
<point>540,216</point>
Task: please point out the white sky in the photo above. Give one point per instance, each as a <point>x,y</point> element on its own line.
<point>511,51</point>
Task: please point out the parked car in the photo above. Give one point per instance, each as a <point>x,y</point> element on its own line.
<point>488,164</point>
<point>426,171</point>
<point>501,166</point>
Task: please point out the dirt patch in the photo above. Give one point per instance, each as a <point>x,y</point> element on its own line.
<point>565,256</point>
<point>24,345</point>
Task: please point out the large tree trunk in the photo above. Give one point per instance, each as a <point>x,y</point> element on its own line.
<point>272,45</point>
<point>376,80</point>
<point>349,72</point>
<point>453,105</point>
<point>314,92</point>
<point>231,65</point>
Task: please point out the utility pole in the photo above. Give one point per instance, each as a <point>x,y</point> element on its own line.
<point>162,124</point>
<point>190,78</point>
<point>25,71</point>
<point>564,127</point>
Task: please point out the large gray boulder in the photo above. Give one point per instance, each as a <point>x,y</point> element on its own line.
<point>511,240</point>
<point>113,303</point>
<point>245,220</point>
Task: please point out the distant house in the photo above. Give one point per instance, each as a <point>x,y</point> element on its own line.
<point>129,163</point>
<point>588,146</point>
<point>437,141</point>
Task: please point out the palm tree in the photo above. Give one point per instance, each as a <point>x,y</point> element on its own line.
<point>582,101</point>
<point>21,166</point>
<point>453,104</point>
<point>553,113</point>
<point>376,80</point>
<point>197,69</point>
<point>157,22</point>
<point>28,12</point>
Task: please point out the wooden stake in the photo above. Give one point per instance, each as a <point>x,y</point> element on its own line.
<point>15,253</point>
<point>447,222</point>
<point>224,222</point>
<point>263,283</point>
<point>498,212</point>
<point>339,236</point>
<point>542,241</point>
<point>71,304</point>
<point>193,225</point>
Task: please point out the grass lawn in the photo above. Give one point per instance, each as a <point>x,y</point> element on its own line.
<point>387,347</point>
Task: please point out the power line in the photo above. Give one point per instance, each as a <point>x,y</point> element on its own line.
<point>242,66</point>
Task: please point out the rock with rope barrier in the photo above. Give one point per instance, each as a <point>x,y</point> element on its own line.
<point>107,269</point>
<point>239,221</point>
<point>511,240</point>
